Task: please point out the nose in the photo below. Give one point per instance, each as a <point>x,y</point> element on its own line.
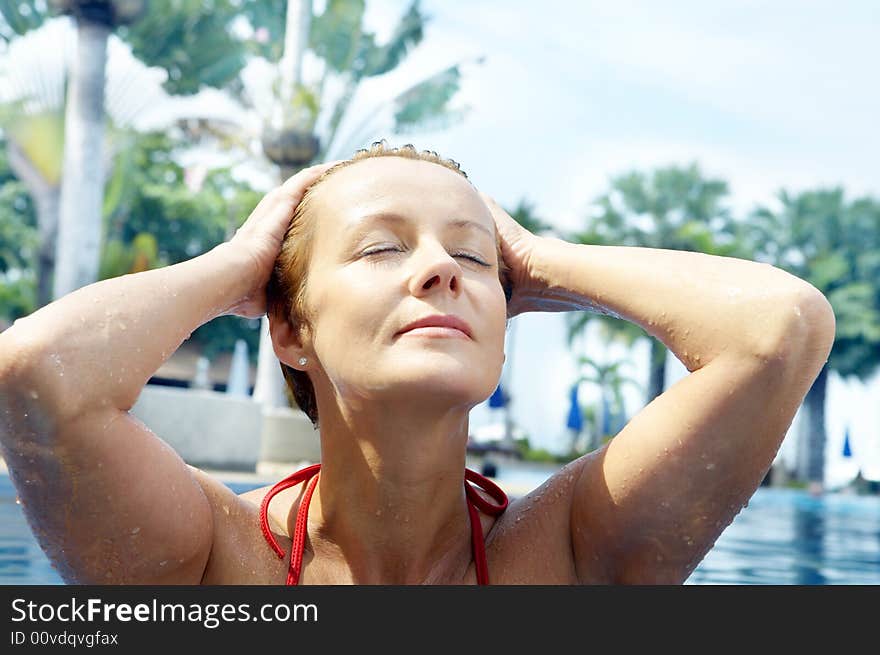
<point>436,272</point>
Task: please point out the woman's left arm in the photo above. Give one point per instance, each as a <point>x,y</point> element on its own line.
<point>649,505</point>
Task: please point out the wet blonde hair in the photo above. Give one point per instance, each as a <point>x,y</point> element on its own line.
<point>285,292</point>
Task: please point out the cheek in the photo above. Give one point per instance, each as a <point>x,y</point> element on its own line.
<point>349,309</point>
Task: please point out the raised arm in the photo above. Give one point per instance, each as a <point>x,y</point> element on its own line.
<point>647,506</point>
<point>108,501</point>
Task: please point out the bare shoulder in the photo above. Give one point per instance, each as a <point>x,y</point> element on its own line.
<point>240,553</point>
<point>531,542</point>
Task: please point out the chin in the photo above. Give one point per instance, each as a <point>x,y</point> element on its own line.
<point>458,383</point>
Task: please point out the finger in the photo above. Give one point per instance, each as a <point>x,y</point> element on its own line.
<point>283,198</point>
<point>306,176</point>
<point>489,200</point>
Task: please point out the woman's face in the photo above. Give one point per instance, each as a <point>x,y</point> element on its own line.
<point>397,240</point>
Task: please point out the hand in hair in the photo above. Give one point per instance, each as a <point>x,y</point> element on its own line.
<point>517,250</point>
<point>258,241</point>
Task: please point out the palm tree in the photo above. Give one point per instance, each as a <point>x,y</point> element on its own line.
<point>610,381</point>
<point>32,116</point>
<point>834,244</point>
<point>673,208</point>
<point>82,185</point>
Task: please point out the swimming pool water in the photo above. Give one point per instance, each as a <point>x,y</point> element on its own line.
<point>783,537</point>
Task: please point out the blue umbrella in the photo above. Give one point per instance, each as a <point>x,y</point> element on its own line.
<point>574,413</point>
<point>847,451</point>
<point>498,398</point>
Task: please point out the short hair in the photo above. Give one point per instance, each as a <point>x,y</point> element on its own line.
<point>285,291</point>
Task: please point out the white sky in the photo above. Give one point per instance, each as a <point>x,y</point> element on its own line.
<point>764,95</point>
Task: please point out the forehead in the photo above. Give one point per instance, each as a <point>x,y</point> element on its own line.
<point>417,189</point>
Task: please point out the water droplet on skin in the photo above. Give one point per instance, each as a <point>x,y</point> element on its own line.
<point>34,394</point>
<point>710,466</point>
<point>226,509</point>
<point>109,574</point>
<point>135,530</point>
<point>163,562</point>
<point>17,500</point>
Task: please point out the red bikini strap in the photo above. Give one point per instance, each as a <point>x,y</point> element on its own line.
<point>476,500</point>
<point>490,488</point>
<point>299,535</point>
<point>286,483</point>
<point>311,472</point>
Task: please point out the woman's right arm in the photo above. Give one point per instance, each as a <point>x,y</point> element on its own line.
<point>108,501</point>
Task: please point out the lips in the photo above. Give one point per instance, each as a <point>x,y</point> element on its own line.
<point>442,321</point>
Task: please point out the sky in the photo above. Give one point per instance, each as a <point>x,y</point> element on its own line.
<point>764,95</point>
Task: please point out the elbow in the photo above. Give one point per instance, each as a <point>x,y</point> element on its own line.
<point>801,329</point>
<point>31,376</point>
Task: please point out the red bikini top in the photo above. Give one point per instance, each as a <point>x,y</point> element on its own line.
<point>474,502</point>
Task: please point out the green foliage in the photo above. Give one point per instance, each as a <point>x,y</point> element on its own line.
<point>529,454</point>
<point>424,105</point>
<point>674,208</point>
<point>337,36</point>
<point>835,245</point>
<point>19,242</point>
<point>157,220</point>
<point>191,39</point>
<point>524,214</point>
<point>268,15</point>
<point>18,17</point>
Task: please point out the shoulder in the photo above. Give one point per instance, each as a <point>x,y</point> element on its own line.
<point>531,542</point>
<point>240,553</point>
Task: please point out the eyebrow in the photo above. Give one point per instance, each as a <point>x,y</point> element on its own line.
<point>397,219</point>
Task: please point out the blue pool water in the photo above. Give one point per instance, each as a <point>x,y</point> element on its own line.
<point>783,537</point>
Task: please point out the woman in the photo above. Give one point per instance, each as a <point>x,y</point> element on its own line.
<point>388,312</point>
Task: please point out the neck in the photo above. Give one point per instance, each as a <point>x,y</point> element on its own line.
<point>390,501</point>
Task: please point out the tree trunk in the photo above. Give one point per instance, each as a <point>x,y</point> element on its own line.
<point>815,402</point>
<point>82,185</point>
<point>47,217</point>
<point>45,196</point>
<point>657,380</point>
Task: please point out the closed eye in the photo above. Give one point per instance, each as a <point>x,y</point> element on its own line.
<point>465,255</point>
